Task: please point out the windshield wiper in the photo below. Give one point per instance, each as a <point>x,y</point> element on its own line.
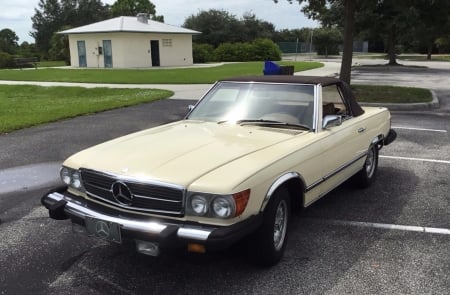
<point>272,123</point>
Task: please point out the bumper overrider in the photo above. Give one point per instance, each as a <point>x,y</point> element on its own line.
<point>161,233</point>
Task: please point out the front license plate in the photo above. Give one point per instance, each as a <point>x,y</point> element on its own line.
<point>103,229</point>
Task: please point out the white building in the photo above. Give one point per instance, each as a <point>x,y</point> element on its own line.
<point>130,42</point>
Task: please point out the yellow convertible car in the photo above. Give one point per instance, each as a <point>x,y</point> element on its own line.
<point>251,151</point>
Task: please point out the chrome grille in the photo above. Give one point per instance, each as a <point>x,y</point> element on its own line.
<point>149,197</point>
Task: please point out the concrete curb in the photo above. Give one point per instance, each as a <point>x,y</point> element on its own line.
<point>421,106</point>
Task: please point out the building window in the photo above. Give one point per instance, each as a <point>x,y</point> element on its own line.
<point>167,42</point>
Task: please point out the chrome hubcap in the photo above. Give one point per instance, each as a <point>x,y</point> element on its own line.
<point>279,229</point>
<point>370,163</point>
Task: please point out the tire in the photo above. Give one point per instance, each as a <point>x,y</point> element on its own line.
<point>267,244</point>
<point>366,175</point>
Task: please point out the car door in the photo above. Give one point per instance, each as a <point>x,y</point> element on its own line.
<point>345,145</point>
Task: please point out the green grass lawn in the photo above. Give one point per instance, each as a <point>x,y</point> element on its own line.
<point>25,106</point>
<point>390,94</point>
<point>147,76</point>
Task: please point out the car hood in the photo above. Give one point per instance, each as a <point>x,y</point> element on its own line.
<point>180,152</point>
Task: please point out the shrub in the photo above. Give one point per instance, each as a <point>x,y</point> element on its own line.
<point>202,53</point>
<point>6,60</point>
<point>258,50</point>
<point>226,52</point>
<point>327,41</point>
<point>265,49</point>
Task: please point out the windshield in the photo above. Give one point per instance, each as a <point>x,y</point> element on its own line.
<point>236,102</point>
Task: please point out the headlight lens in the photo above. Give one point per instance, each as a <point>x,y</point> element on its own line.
<point>66,175</point>
<point>199,205</point>
<point>223,207</point>
<point>72,178</point>
<point>76,180</point>
<point>217,206</point>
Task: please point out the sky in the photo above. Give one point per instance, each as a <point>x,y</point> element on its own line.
<point>16,14</point>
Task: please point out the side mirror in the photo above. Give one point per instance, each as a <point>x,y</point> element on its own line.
<point>191,107</point>
<point>331,120</point>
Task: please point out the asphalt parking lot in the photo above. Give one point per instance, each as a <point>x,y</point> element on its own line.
<point>392,238</point>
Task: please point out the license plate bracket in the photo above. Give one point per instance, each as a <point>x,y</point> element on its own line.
<point>106,230</point>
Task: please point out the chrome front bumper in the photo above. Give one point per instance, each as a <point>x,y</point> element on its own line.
<point>170,233</point>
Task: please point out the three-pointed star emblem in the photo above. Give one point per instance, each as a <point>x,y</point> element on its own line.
<point>122,193</point>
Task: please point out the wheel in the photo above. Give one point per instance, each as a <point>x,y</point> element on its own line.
<point>366,175</point>
<point>267,244</point>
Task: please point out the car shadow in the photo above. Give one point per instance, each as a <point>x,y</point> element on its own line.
<point>382,202</point>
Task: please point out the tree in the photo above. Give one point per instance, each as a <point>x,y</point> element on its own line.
<point>327,41</point>
<point>52,15</point>
<point>433,22</point>
<point>392,18</point>
<point>285,35</point>
<point>27,50</point>
<point>8,41</point>
<point>48,18</point>
<point>217,27</point>
<point>254,28</point>
<point>59,49</point>
<point>82,12</point>
<point>316,9</point>
<point>133,7</point>
<point>347,50</point>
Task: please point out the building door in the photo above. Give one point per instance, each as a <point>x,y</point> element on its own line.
<point>154,48</point>
<point>81,54</point>
<point>107,54</point>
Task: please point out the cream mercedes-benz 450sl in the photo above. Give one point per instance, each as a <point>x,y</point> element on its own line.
<point>251,150</point>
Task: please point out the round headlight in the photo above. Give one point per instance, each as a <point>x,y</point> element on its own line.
<point>76,180</point>
<point>223,207</point>
<point>66,176</point>
<point>199,205</point>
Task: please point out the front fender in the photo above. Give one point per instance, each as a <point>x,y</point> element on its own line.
<point>278,183</point>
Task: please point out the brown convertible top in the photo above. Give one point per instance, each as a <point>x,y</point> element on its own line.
<point>286,79</point>
<point>355,108</point>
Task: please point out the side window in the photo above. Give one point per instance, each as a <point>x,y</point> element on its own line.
<point>332,102</point>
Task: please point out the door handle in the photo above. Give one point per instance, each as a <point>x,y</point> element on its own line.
<point>361,130</point>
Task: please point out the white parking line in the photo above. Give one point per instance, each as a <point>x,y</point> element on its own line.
<point>433,230</point>
<point>420,129</point>
<point>416,159</point>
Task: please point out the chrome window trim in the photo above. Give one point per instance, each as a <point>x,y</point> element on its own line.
<point>317,109</point>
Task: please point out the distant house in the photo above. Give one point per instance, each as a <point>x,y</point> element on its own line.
<point>130,42</point>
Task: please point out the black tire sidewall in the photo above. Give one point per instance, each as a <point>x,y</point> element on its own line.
<point>362,179</point>
<point>262,249</point>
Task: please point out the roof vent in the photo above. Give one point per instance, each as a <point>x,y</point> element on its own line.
<point>142,18</point>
